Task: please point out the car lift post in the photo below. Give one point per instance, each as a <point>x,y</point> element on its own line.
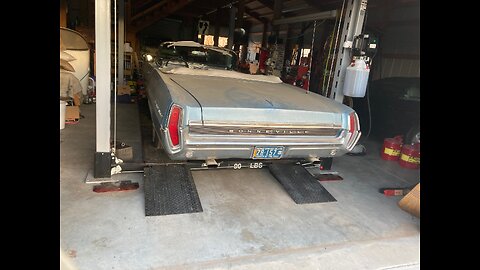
<point>102,166</point>
<point>354,14</point>
<point>352,27</point>
<point>105,154</point>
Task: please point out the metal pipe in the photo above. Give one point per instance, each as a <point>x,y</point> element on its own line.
<point>231,27</point>
<point>324,90</point>
<point>311,56</point>
<point>335,47</point>
<point>115,78</point>
<point>121,41</point>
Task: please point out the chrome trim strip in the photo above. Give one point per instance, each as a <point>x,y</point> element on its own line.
<point>205,140</point>
<point>258,125</point>
<point>207,143</point>
<point>322,147</point>
<point>263,131</point>
<point>219,148</point>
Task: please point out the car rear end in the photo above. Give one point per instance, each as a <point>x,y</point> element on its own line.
<point>202,140</point>
<point>218,114</point>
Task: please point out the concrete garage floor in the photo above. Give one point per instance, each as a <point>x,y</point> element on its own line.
<point>248,220</point>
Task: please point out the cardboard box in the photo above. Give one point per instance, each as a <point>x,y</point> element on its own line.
<point>76,100</point>
<point>72,113</point>
<point>124,152</point>
<point>123,90</point>
<point>411,202</point>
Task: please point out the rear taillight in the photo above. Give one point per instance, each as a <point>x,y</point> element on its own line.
<point>352,122</point>
<point>173,124</point>
<point>354,130</point>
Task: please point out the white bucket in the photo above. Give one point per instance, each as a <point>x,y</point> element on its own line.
<point>63,108</point>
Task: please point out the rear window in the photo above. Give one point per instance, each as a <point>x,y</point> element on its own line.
<point>214,57</point>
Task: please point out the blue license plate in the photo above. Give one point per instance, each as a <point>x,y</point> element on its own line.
<point>268,152</point>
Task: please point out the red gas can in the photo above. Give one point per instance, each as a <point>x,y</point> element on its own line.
<point>410,156</point>
<point>391,148</point>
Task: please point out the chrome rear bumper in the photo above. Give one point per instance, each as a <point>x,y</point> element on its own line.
<point>204,146</point>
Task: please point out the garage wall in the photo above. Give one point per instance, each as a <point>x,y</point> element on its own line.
<point>211,30</point>
<point>399,44</point>
<point>397,24</point>
<point>257,30</point>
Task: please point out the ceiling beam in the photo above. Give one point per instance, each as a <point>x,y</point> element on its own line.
<point>255,15</point>
<point>205,7</point>
<point>325,5</point>
<point>305,18</point>
<point>148,10</point>
<point>296,8</point>
<point>267,3</point>
<point>313,3</point>
<point>158,13</point>
<point>267,13</point>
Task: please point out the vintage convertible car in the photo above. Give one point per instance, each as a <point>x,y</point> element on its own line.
<point>203,110</point>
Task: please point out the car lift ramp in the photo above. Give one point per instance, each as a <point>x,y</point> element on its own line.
<point>300,184</point>
<point>170,189</point>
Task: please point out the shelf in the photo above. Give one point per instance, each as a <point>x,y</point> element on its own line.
<point>129,63</point>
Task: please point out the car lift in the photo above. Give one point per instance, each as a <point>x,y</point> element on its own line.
<point>108,169</point>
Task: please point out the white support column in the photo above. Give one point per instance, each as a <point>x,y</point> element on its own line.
<point>352,26</point>
<point>103,78</point>
<point>121,40</point>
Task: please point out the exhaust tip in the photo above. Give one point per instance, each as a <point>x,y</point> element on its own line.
<point>212,166</point>
<point>313,160</point>
<point>316,162</point>
<point>212,163</point>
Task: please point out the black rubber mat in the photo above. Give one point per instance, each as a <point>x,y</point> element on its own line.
<point>169,189</point>
<point>300,184</point>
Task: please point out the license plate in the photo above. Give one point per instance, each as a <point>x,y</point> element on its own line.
<point>268,152</point>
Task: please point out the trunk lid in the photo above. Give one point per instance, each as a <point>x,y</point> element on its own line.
<point>231,100</point>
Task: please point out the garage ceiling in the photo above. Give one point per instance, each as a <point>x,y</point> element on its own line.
<point>142,13</point>
<point>145,12</point>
